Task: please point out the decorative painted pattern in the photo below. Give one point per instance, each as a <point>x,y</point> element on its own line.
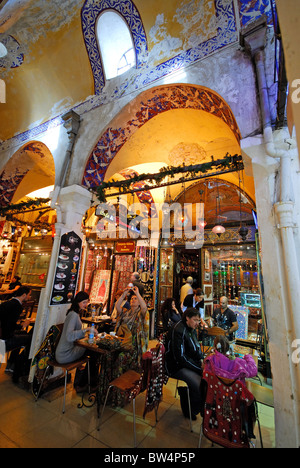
<point>145,196</point>
<point>89,14</point>
<point>253,9</point>
<point>14,57</point>
<point>9,184</point>
<point>166,98</point>
<point>227,33</point>
<point>16,170</point>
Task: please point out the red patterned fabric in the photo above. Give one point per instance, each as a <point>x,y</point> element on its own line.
<point>153,377</point>
<point>225,412</point>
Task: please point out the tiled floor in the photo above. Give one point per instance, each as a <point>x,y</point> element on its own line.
<point>27,424</point>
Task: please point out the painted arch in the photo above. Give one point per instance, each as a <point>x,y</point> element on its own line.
<point>29,169</point>
<point>141,110</point>
<point>89,15</point>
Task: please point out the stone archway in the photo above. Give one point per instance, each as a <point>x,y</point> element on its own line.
<point>30,168</point>
<point>143,109</point>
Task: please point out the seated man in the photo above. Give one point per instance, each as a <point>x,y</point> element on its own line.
<point>14,334</point>
<point>225,318</point>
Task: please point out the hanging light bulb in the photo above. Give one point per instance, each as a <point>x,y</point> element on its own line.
<point>243,232</point>
<point>218,229</point>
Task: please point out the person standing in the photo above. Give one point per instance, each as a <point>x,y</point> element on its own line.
<point>186,289</point>
<point>197,301</point>
<point>136,281</point>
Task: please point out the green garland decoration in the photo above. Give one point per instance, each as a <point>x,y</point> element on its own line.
<point>19,207</point>
<point>234,162</point>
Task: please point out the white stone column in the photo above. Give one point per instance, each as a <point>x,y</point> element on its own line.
<point>72,204</point>
<point>275,255</point>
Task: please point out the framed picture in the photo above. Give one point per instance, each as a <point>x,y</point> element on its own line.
<point>208,309</point>
<point>206,259</point>
<point>207,276</point>
<point>208,292</point>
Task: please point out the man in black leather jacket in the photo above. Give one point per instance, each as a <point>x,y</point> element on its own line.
<point>183,358</point>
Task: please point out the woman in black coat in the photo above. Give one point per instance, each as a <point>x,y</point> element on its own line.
<point>183,358</point>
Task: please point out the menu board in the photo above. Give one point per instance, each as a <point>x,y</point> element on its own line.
<point>67,268</point>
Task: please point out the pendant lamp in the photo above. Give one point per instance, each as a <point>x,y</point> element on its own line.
<point>218,229</point>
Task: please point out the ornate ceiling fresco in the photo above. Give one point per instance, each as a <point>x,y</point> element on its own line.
<point>42,43</point>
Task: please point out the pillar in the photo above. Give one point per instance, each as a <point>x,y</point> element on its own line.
<point>71,206</point>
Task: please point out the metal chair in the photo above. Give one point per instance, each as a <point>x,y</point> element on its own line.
<point>52,363</point>
<point>2,352</point>
<point>189,401</point>
<point>66,368</point>
<point>226,412</point>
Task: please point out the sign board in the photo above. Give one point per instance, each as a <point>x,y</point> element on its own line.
<point>67,268</point>
<point>125,247</point>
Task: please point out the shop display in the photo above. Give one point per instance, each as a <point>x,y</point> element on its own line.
<point>124,264</point>
<point>242,314</point>
<point>101,285</point>
<point>34,261</point>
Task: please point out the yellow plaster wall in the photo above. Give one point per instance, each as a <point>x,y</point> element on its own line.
<point>180,20</point>
<point>56,71</point>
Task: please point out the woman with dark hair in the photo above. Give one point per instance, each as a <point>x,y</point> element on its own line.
<point>170,314</point>
<point>183,359</point>
<point>66,350</point>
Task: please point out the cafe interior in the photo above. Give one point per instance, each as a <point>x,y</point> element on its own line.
<point>195,204</point>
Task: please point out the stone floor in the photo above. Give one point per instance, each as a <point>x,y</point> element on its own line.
<point>25,423</point>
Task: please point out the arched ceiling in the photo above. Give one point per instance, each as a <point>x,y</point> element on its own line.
<point>31,168</point>
<point>174,137</point>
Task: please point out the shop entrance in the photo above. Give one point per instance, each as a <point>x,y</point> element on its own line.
<point>187,263</point>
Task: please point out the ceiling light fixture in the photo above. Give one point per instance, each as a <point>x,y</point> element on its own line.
<point>218,229</point>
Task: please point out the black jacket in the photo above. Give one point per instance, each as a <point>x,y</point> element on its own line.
<point>10,312</point>
<point>189,302</point>
<point>182,349</point>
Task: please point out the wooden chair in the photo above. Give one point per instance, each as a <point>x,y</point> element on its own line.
<point>52,363</point>
<point>133,383</point>
<point>215,331</point>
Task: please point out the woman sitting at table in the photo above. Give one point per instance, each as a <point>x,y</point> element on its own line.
<point>133,325</point>
<point>66,350</point>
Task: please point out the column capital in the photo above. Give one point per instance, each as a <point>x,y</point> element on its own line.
<point>74,201</point>
<point>253,36</point>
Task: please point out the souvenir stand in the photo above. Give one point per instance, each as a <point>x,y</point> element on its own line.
<point>109,266</point>
<point>232,268</point>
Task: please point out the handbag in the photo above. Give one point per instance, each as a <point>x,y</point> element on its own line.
<point>126,335</point>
